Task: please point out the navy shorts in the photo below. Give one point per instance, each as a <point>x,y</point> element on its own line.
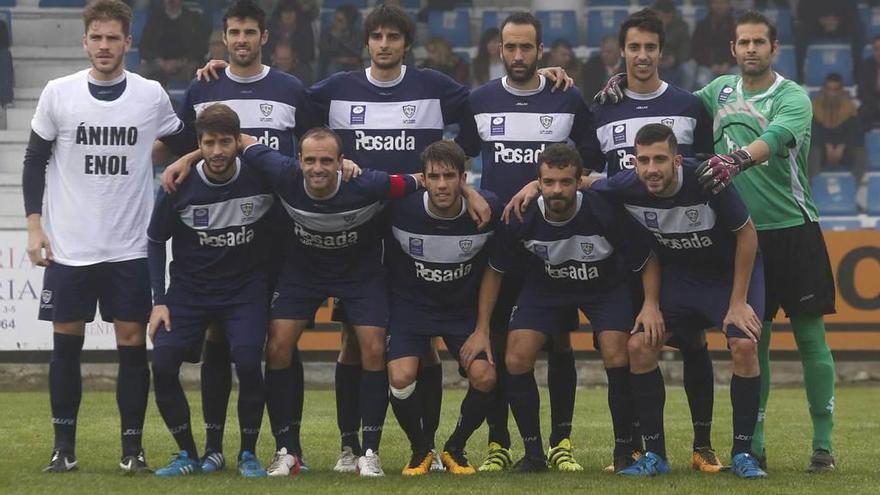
<point>411,330</point>
<point>691,302</point>
<point>244,320</point>
<point>610,310</point>
<point>366,302</point>
<point>511,286</point>
<point>120,289</point>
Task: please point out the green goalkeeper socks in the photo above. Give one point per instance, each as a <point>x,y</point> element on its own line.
<point>819,375</point>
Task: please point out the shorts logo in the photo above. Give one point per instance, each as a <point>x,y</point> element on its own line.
<point>693,215</point>
<point>409,111</point>
<point>497,126</point>
<point>46,296</point>
<point>724,94</point>
<point>416,246</point>
<point>247,209</point>
<point>358,114</point>
<point>651,219</point>
<point>274,298</point>
<point>200,217</point>
<point>618,134</point>
<point>546,121</point>
<point>466,245</point>
<point>587,248</point>
<point>668,122</point>
<point>540,251</point>
<point>266,108</point>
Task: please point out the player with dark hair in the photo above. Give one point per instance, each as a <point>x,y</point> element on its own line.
<point>218,223</point>
<point>92,132</point>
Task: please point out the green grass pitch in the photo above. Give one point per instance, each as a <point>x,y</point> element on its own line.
<point>25,437</point>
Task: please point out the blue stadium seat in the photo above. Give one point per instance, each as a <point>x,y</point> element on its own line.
<point>873,196</point>
<point>138,21</point>
<point>332,4</point>
<point>610,3</point>
<point>602,22</point>
<point>872,149</point>
<point>870,21</point>
<point>409,4</point>
<point>453,25</point>
<point>824,59</point>
<point>7,3</point>
<point>490,19</point>
<point>133,60</point>
<point>782,19</point>
<point>62,3</point>
<point>835,193</point>
<point>837,224</point>
<point>786,63</point>
<point>558,24</point>
<point>6,16</point>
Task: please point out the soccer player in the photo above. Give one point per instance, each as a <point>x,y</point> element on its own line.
<point>335,251</point>
<point>762,129</point>
<point>711,276</point>
<point>516,117</point>
<point>217,221</point>
<point>94,129</point>
<point>650,99</point>
<point>578,252</point>
<point>436,257</point>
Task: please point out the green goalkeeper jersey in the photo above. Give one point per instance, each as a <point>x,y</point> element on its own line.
<point>776,192</point>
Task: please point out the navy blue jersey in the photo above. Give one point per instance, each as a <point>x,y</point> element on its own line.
<point>691,230</point>
<point>437,263</point>
<point>514,126</point>
<point>219,232</point>
<point>272,106</point>
<point>617,125</point>
<point>590,252</point>
<point>335,239</point>
<point>386,125</point>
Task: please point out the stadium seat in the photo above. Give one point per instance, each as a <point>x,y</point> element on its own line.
<point>872,150</point>
<point>782,19</point>
<point>873,196</point>
<point>824,59</point>
<point>490,19</point>
<point>602,22</point>
<point>133,60</point>
<point>63,3</point>
<point>410,4</point>
<point>7,3</point>
<point>454,25</point>
<point>786,63</point>
<point>837,224</point>
<point>870,21</point>
<point>558,24</point>
<point>138,21</point>
<point>6,16</point>
<point>611,3</point>
<point>835,193</point>
<point>332,4</point>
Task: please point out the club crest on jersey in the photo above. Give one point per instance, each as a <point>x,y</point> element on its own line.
<point>724,94</point>
<point>651,220</point>
<point>416,246</point>
<point>46,296</point>
<point>358,114</point>
<point>668,122</point>
<point>587,248</point>
<point>247,209</point>
<point>266,108</point>
<point>409,111</point>
<point>693,215</point>
<point>540,251</point>
<point>466,245</point>
<point>497,126</point>
<point>546,121</point>
<point>200,217</point>
<point>618,134</point>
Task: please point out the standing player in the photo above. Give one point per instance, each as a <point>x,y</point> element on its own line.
<point>436,257</point>
<point>516,117</point>
<point>762,128</point>
<point>217,220</point>
<point>711,276</point>
<point>575,258</point>
<point>95,129</point>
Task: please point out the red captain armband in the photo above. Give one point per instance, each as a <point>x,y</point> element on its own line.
<point>397,187</point>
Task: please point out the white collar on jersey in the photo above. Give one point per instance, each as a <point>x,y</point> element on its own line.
<point>200,167</point>
<point>338,184</point>
<point>437,217</point>
<point>250,79</point>
<point>647,96</point>
<point>542,81</point>
<point>112,82</point>
<point>542,207</point>
<point>772,88</point>
<point>386,84</point>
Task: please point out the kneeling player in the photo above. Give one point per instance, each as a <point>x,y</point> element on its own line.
<point>711,276</point>
<point>217,220</point>
<point>436,258</point>
<point>575,242</point>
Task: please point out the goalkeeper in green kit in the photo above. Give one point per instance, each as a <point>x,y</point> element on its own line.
<point>762,127</point>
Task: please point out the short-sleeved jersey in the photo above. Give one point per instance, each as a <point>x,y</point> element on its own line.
<point>777,192</point>
<point>272,106</point>
<point>435,263</point>
<point>691,230</point>
<point>588,253</point>
<point>514,126</point>
<point>99,185</point>
<point>386,125</point>
<point>219,232</point>
<point>617,125</point>
<point>335,239</point>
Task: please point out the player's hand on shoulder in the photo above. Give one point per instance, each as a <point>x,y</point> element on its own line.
<point>160,316</point>
<point>245,141</point>
<point>350,170</point>
<point>211,70</point>
<point>177,172</point>
<point>557,75</point>
<point>479,209</point>
<point>742,316</point>
<point>475,344</point>
<point>651,320</point>
<point>520,201</point>
<point>612,92</point>
<point>38,248</point>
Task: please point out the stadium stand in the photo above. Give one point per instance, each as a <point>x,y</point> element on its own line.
<point>823,59</point>
<point>872,150</point>
<point>7,3</point>
<point>873,194</point>
<point>870,21</point>
<point>62,3</point>
<point>602,22</point>
<point>835,193</point>
<point>840,224</point>
<point>453,25</point>
<point>558,24</point>
<point>786,63</point>
<point>784,27</point>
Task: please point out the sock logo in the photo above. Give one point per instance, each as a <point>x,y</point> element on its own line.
<point>250,431</point>
<point>744,438</point>
<point>655,436</point>
<point>132,432</point>
<point>174,430</point>
<point>371,429</point>
<point>64,421</point>
<point>282,430</point>
<point>214,426</point>
<point>830,406</point>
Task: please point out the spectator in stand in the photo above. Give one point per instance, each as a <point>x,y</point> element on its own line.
<point>711,43</point>
<point>438,6</point>
<point>173,44</point>
<point>291,26</point>
<point>827,22</point>
<point>441,59</point>
<point>7,79</point>
<point>869,87</point>
<point>676,47</point>
<point>838,140</point>
<point>216,47</point>
<point>562,55</point>
<point>285,59</point>
<point>341,46</point>
<point>601,66</point>
<point>487,65</point>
